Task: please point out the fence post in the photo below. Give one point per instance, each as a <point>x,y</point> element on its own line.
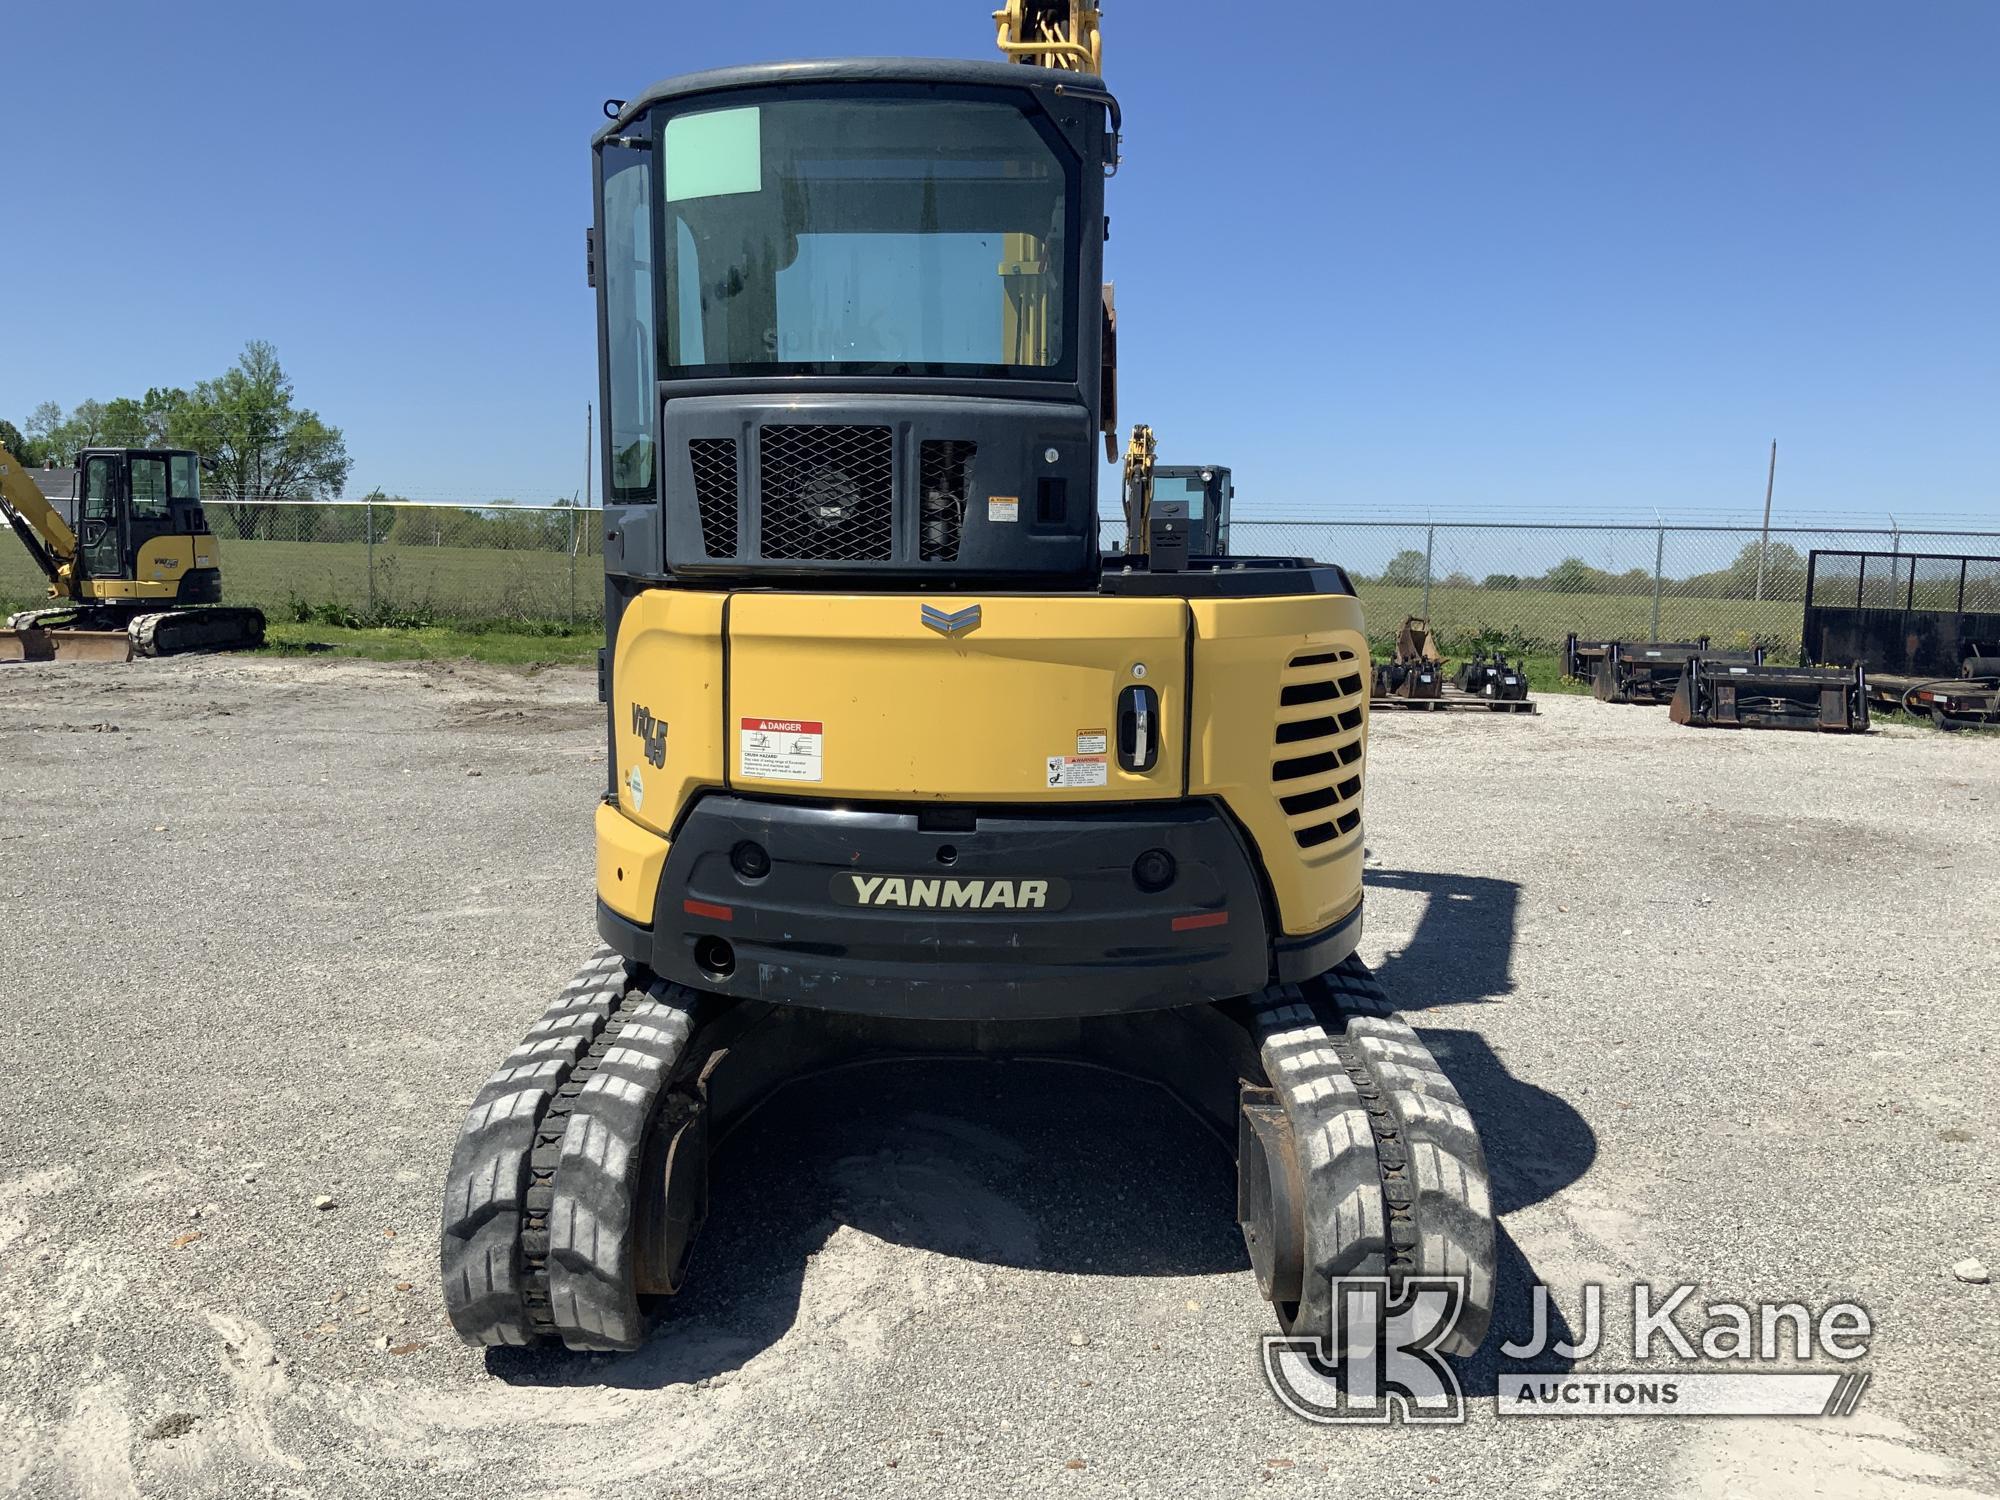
<point>368,521</point>
<point>1430,544</point>
<point>1659,568</point>
<point>572,567</point>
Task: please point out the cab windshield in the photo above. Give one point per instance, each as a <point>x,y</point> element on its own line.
<point>854,236</point>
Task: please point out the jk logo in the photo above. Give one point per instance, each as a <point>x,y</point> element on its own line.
<point>652,731</point>
<point>1379,1361</point>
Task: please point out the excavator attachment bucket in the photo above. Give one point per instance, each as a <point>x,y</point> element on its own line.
<point>1647,671</point>
<point>1416,670</point>
<point>1716,695</point>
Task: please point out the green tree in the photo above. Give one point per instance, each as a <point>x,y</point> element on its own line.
<point>18,443</point>
<point>254,442</point>
<point>144,422</point>
<point>1575,576</point>
<point>1406,567</point>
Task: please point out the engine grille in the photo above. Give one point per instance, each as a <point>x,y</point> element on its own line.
<point>1316,759</point>
<point>714,461</point>
<point>828,493</point>
<point>943,466</point>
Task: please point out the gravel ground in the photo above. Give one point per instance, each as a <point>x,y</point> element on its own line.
<point>1722,1003</point>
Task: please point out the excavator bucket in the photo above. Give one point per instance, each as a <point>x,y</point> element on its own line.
<point>1416,670</point>
<point>1648,671</point>
<point>33,644</point>
<point>1717,695</point>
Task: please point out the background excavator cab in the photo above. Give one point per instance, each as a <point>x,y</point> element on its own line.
<point>1199,494</point>
<point>128,496</point>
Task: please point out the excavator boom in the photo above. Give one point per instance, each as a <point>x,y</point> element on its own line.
<point>38,524</point>
<point>1052,34</point>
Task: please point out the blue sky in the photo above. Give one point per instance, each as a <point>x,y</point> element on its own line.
<point>1452,258</point>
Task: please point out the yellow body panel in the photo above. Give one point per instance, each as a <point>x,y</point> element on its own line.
<point>667,674</point>
<point>160,565</point>
<point>912,714</point>
<point>629,861</point>
<point>1244,651</point>
<point>904,713</point>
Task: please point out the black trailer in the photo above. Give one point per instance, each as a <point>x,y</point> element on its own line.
<point>1924,625</point>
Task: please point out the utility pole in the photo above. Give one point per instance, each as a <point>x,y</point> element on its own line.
<point>589,433</point>
<point>1764,548</point>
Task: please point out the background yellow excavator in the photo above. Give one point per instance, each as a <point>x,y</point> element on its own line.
<point>899,763</point>
<point>1182,509</point>
<point>133,569</point>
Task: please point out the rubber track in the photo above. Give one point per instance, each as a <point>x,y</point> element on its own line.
<point>593,1179</point>
<point>486,1189</point>
<point>211,628</point>
<point>1396,1177</point>
<point>25,619</point>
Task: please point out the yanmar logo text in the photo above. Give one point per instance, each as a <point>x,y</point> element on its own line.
<point>945,894</point>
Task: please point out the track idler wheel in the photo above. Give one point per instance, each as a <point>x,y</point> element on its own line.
<point>579,1180</point>
<point>1358,1159</point>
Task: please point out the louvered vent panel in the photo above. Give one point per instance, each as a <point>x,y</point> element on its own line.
<point>1317,749</point>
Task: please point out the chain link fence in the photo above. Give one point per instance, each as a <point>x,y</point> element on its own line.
<point>1526,585</point>
<point>1523,585</point>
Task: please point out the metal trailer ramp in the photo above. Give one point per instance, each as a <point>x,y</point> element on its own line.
<point>1969,702</point>
<point>1716,695</point>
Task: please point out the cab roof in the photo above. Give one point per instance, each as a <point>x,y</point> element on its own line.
<point>944,70</point>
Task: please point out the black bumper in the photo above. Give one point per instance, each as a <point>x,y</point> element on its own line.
<point>1024,914</point>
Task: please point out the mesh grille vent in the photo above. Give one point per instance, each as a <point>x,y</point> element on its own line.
<point>714,461</point>
<point>828,493</point>
<point>944,465</point>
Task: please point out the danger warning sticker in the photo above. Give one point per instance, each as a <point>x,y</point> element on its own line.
<point>1003,507</point>
<point>781,749</point>
<point>1092,742</point>
<point>1079,770</point>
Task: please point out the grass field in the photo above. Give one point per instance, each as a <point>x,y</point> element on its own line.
<point>454,583</point>
<point>474,584</point>
<point>435,643</point>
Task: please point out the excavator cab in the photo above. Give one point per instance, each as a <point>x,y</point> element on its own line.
<point>128,498</point>
<point>1200,495</point>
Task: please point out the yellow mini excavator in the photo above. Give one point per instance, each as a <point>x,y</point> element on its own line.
<point>899,764</point>
<point>1174,509</point>
<point>132,569</point>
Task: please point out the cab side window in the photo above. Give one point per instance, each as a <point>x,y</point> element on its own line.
<point>100,489</point>
<point>149,489</point>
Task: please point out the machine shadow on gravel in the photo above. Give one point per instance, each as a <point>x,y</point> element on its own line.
<point>1018,1164</point>
<point>1463,949</point>
<point>1025,1164</point>
<point>1536,1143</point>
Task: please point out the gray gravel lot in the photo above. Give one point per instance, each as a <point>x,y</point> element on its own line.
<point>1723,1004</point>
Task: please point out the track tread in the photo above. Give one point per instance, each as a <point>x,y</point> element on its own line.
<point>1434,1180</point>
<point>485,1197</point>
<point>1396,1177</point>
<point>593,1302</point>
